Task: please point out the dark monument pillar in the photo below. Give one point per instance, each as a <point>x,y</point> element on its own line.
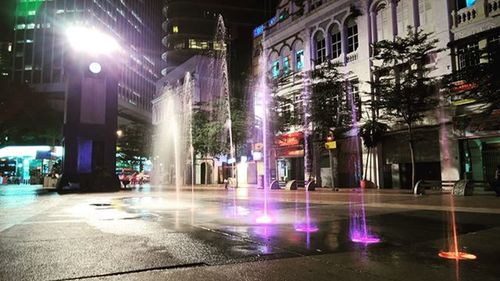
<point>90,124</point>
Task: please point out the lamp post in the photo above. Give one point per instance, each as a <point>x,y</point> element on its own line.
<point>91,109</point>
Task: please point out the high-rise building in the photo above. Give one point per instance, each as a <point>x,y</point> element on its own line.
<point>190,26</point>
<point>39,46</point>
<point>5,59</point>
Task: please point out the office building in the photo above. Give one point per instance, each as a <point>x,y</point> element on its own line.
<point>39,47</point>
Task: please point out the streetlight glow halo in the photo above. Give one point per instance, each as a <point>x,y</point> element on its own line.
<point>95,67</point>
<point>91,40</point>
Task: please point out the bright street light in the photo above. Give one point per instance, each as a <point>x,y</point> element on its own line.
<point>95,67</point>
<point>91,41</point>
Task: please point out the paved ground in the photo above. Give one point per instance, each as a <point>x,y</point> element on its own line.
<point>212,234</point>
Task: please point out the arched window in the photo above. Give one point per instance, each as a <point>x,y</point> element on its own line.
<point>404,16</point>
<point>275,64</point>
<point>425,14</point>
<point>298,50</point>
<point>336,40</point>
<point>320,47</point>
<point>352,36</point>
<point>383,22</point>
<point>287,60</point>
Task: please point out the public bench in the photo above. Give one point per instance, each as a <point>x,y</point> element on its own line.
<point>460,188</point>
<point>422,185</point>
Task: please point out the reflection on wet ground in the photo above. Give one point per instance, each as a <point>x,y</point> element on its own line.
<point>403,234</point>
<point>219,228</point>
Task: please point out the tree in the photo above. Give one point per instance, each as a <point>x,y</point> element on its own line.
<point>371,132</point>
<point>331,109</point>
<point>134,145</point>
<point>402,86</point>
<point>239,122</point>
<point>206,134</point>
<point>27,117</point>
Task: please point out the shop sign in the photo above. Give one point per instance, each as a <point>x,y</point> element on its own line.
<point>291,139</point>
<point>331,145</point>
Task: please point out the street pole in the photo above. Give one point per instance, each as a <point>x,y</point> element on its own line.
<point>332,168</point>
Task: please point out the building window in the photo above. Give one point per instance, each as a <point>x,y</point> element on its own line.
<point>382,22</point>
<point>468,55</point>
<point>403,15</point>
<point>352,36</point>
<point>276,69</point>
<point>465,3</point>
<point>175,29</point>
<point>300,60</point>
<point>198,44</point>
<point>425,14</point>
<point>286,65</point>
<point>320,48</point>
<point>336,42</point>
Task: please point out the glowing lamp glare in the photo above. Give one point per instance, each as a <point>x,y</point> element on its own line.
<point>95,67</point>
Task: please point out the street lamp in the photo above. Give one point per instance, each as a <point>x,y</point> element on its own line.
<point>91,110</point>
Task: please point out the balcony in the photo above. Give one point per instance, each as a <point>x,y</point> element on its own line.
<point>481,10</point>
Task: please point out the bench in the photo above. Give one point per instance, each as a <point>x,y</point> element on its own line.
<point>422,185</point>
<point>460,188</point>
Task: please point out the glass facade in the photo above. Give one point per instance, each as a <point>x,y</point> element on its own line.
<point>39,47</point>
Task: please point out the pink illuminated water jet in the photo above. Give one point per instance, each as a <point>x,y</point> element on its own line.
<point>306,228</point>
<point>265,219</point>
<point>359,228</point>
<point>364,239</point>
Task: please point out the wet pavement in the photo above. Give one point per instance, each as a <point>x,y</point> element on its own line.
<point>213,234</point>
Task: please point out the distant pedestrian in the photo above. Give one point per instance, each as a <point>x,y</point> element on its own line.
<point>226,183</point>
<point>124,179</point>
<point>134,179</point>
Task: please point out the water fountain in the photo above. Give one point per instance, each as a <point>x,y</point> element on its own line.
<point>263,95</point>
<point>453,251</point>
<point>359,232</point>
<point>307,226</point>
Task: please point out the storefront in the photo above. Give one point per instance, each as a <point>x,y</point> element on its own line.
<point>290,156</point>
<point>28,164</point>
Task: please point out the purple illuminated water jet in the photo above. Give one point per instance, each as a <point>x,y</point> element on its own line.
<point>358,227</point>
<point>264,219</point>
<point>362,238</point>
<point>306,228</point>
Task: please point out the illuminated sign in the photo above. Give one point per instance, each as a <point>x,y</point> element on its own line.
<point>331,145</point>
<point>289,139</point>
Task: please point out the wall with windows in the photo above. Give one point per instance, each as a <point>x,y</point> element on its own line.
<point>342,32</point>
<point>39,45</point>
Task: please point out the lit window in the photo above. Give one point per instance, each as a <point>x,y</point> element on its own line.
<point>175,29</point>
<point>219,46</point>
<point>300,59</point>
<point>286,65</point>
<point>470,3</point>
<point>276,69</point>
